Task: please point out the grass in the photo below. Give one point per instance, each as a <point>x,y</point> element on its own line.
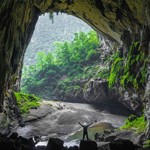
<point>26,101</point>
<point>138,124</point>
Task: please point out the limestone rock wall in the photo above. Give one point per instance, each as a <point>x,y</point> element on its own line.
<point>18,19</point>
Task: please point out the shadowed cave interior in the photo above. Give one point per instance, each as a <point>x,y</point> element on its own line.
<point>109,82</point>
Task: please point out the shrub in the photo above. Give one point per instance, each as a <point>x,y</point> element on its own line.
<point>68,60</point>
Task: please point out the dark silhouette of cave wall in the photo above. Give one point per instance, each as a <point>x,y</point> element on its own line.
<point>18,19</point>
<point>122,21</point>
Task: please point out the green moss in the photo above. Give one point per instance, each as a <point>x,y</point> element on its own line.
<point>135,61</point>
<point>103,72</point>
<point>129,72</point>
<point>146,144</point>
<point>116,69</point>
<point>137,123</point>
<point>26,101</point>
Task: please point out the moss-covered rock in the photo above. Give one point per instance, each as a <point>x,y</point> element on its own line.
<point>130,71</point>
<point>26,101</point>
<point>137,124</point>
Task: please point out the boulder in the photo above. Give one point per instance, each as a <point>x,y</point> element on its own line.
<point>54,144</point>
<point>14,135</point>
<point>73,148</point>
<point>121,144</point>
<point>88,145</point>
<point>103,145</point>
<point>13,142</point>
<point>28,143</point>
<point>96,90</point>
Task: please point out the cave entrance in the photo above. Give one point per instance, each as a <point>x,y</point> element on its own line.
<point>62,29</point>
<point>20,26</point>
<point>121,21</point>
<point>76,70</point>
<point>61,80</point>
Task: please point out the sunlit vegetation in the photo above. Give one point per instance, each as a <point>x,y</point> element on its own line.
<point>124,70</point>
<point>116,69</point>
<point>61,70</point>
<point>138,124</point>
<point>26,101</point>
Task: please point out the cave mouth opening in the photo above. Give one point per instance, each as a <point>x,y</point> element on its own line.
<point>63,30</point>
<point>68,81</point>
<point>77,70</point>
<point>106,21</point>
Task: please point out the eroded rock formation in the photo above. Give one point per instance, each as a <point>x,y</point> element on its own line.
<point>122,21</point>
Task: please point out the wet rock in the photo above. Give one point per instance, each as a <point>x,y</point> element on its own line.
<point>88,145</point>
<point>131,100</point>
<point>121,144</point>
<point>132,117</point>
<point>137,139</point>
<point>54,144</point>
<point>99,137</point>
<point>110,138</point>
<point>103,145</point>
<point>97,89</point>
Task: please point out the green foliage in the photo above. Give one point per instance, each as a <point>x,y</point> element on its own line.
<point>146,144</point>
<point>116,70</point>
<point>130,71</point>
<point>103,73</point>
<point>95,71</point>
<point>80,51</point>
<point>138,123</point>
<point>26,101</point>
<point>135,59</point>
<point>62,68</point>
